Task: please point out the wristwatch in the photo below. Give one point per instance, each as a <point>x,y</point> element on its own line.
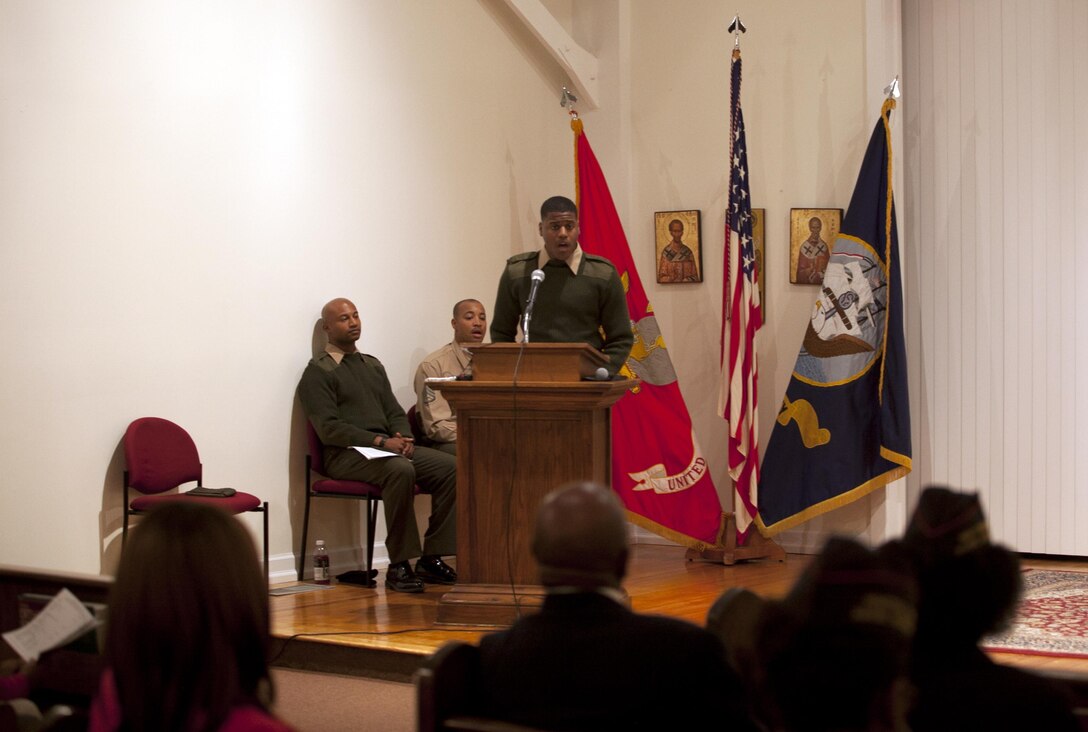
<point>381,441</point>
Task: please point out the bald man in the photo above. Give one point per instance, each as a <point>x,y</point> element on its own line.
<point>348,399</point>
<point>586,661</point>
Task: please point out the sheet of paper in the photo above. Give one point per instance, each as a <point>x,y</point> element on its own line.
<point>373,453</point>
<point>62,620</point>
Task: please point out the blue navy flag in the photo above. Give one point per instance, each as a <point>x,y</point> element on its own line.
<point>843,429</point>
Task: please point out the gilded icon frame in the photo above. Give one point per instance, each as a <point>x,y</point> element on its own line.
<point>759,219</point>
<point>682,264</point>
<point>808,258</point>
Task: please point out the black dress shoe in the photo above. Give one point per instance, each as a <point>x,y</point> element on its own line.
<point>435,571</point>
<point>400,578</point>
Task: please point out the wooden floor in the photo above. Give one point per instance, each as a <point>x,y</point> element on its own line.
<point>372,632</point>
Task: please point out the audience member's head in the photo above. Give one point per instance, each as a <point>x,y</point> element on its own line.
<point>734,617</point>
<point>835,651</point>
<point>187,632</point>
<point>580,537</point>
<point>969,586</point>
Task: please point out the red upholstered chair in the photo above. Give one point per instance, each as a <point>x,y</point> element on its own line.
<point>322,487</point>
<point>161,456</point>
<point>417,427</point>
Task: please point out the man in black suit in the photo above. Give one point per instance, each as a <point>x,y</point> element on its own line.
<point>586,661</point>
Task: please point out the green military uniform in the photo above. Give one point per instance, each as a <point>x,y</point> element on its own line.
<point>351,403</point>
<point>570,307</point>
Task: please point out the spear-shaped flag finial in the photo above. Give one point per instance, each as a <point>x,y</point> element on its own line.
<point>891,91</point>
<point>736,27</point>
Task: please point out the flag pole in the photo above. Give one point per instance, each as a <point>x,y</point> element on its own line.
<point>567,100</point>
<point>738,543</point>
<point>736,27</point>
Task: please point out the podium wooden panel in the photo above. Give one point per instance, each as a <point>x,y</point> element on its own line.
<point>537,362</point>
<point>517,441</point>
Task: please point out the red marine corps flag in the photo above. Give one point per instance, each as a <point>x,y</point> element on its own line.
<point>658,469</point>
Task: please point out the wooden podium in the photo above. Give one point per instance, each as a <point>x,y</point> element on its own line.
<point>517,440</point>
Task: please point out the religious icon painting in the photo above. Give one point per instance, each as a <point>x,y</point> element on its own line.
<point>759,216</point>
<point>812,234</point>
<point>677,240</point>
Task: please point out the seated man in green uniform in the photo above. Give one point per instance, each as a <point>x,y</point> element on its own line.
<point>580,297</point>
<point>350,403</point>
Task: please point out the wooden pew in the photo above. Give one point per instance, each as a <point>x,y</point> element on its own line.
<point>73,674</point>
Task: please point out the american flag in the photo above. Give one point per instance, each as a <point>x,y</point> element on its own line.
<point>741,318</point>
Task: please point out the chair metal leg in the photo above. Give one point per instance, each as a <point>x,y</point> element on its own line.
<point>305,524</point>
<point>124,497</point>
<point>371,524</point>
<point>265,510</point>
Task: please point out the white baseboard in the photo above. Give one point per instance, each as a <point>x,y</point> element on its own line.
<point>284,567</point>
<point>793,542</point>
<point>640,535</point>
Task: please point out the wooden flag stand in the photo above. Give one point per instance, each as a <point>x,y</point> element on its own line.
<point>756,547</point>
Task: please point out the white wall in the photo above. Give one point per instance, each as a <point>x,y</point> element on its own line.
<point>183,185</point>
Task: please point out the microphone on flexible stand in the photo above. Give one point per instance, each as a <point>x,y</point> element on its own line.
<point>537,277</point>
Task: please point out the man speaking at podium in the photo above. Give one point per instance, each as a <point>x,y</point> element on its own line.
<point>580,298</point>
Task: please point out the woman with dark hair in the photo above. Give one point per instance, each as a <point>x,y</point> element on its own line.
<point>187,633</point>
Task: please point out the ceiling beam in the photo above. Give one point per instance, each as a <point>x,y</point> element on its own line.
<point>580,65</point>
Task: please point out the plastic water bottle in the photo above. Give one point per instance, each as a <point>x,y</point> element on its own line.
<point>321,563</point>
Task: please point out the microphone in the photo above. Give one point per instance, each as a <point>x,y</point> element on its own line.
<point>537,277</point>
<point>601,374</point>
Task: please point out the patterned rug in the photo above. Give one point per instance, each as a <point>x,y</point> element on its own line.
<point>1052,619</point>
